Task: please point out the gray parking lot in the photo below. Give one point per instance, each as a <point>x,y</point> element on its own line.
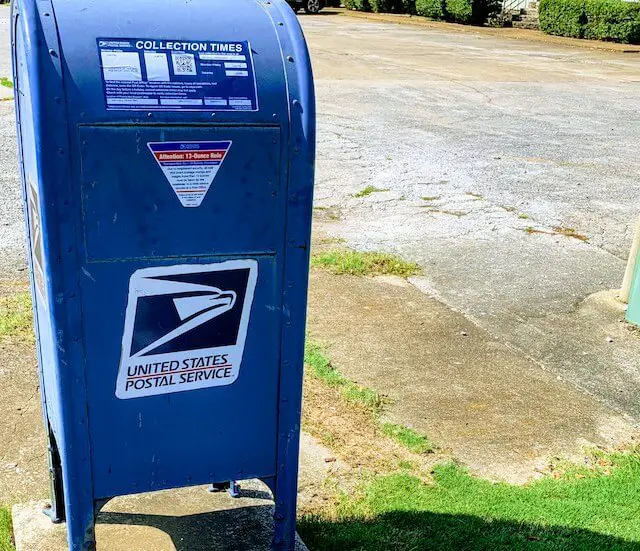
<point>510,175</point>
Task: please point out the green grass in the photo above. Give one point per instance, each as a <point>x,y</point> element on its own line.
<point>5,530</point>
<point>369,190</point>
<point>410,439</point>
<point>345,261</point>
<point>16,317</point>
<point>4,81</point>
<point>322,369</point>
<point>593,507</point>
<point>430,197</point>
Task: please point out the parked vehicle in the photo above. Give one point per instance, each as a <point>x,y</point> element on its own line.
<point>309,6</point>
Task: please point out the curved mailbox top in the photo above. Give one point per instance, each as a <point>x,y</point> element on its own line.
<point>167,61</point>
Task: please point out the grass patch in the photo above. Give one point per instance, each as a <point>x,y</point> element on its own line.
<point>570,232</point>
<point>456,213</point>
<point>368,402</point>
<point>5,530</point>
<point>476,196</point>
<point>523,216</point>
<point>578,508</point>
<point>322,369</point>
<point>530,230</point>
<point>430,197</point>
<point>4,81</point>
<point>16,319</point>
<point>349,262</point>
<point>368,191</point>
<point>409,438</point>
<point>558,230</point>
<point>332,241</point>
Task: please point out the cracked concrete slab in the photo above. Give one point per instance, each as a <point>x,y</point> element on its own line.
<point>495,409</point>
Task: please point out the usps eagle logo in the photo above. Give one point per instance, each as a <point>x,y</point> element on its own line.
<point>185,327</point>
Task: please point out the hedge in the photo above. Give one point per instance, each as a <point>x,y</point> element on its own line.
<point>459,11</point>
<point>562,17</point>
<point>431,8</point>
<point>386,6</point>
<point>357,5</point>
<point>614,20</point>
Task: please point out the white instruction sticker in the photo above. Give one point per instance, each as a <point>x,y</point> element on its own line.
<point>190,167</point>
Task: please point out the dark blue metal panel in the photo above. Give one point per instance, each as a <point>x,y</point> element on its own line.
<point>182,438</point>
<point>131,211</point>
<point>131,270</point>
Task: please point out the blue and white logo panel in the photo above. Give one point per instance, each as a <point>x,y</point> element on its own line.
<point>185,327</point>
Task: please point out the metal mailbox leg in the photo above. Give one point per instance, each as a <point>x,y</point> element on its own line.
<point>56,511</point>
<point>284,537</point>
<point>81,529</point>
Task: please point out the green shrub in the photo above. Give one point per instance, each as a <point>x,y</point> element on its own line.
<point>459,11</point>
<point>471,11</point>
<point>612,20</point>
<point>431,8</point>
<point>357,5</point>
<point>562,17</point>
<point>386,6</point>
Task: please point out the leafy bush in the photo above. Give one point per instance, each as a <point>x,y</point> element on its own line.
<point>357,5</point>
<point>614,20</point>
<point>431,8</point>
<point>562,17</point>
<point>387,6</point>
<point>459,11</point>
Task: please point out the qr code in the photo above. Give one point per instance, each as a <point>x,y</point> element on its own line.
<point>184,64</point>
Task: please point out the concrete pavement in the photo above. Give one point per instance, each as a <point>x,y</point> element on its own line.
<point>150,521</point>
<point>491,407</point>
<point>491,150</point>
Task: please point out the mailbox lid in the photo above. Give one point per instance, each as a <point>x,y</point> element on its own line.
<point>82,24</point>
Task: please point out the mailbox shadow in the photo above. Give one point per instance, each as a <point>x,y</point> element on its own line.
<point>427,531</point>
<point>242,529</point>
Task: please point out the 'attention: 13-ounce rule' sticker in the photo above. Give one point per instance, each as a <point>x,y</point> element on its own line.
<point>190,167</point>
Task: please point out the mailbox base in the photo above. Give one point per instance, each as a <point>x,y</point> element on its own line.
<point>191,517</point>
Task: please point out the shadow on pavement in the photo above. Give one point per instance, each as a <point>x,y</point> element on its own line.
<point>242,529</point>
<point>426,531</point>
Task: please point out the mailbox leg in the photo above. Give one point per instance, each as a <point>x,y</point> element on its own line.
<point>56,511</point>
<point>80,507</point>
<point>284,537</point>
<point>81,530</point>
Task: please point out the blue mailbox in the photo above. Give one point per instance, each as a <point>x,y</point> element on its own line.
<point>167,155</point>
